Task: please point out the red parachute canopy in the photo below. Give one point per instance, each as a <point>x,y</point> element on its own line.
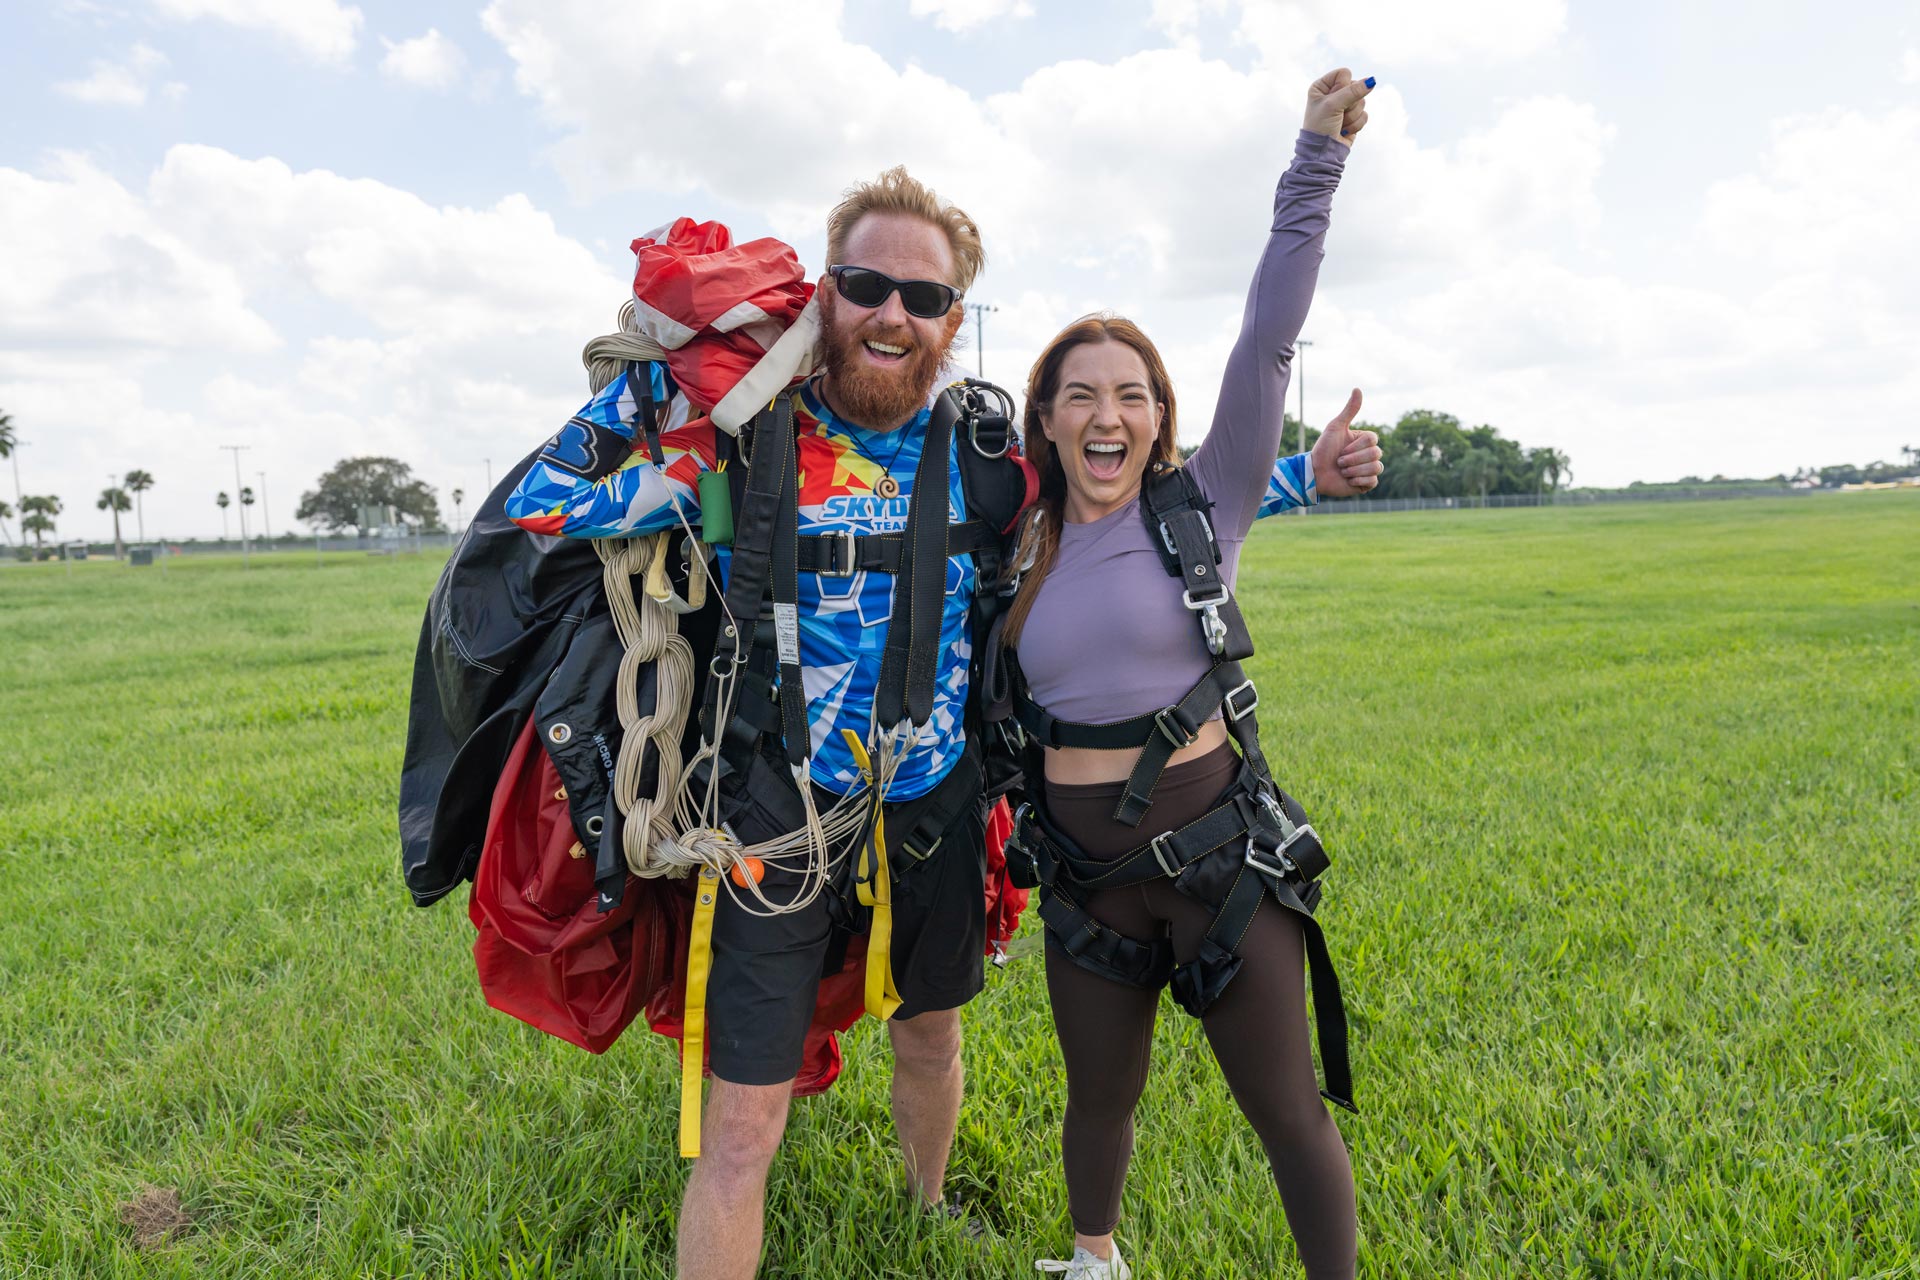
<point>715,306</point>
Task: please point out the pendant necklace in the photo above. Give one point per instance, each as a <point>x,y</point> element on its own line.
<point>886,486</point>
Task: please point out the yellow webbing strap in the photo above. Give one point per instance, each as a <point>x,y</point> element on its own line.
<point>693,1028</point>
<point>874,888</point>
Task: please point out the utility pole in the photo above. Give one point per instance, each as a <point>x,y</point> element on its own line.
<point>1300,366</point>
<point>266,520</point>
<point>489,462</point>
<point>980,310</point>
<point>236,450</point>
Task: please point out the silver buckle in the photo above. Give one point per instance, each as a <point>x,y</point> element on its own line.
<point>1274,811</point>
<point>973,438</point>
<point>1211,626</point>
<point>1287,866</point>
<point>1172,732</point>
<point>1237,712</point>
<point>845,537</point>
<point>1221,596</point>
<point>1163,854</point>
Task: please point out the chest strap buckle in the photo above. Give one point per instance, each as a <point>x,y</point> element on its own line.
<point>844,551</point>
<point>1174,729</point>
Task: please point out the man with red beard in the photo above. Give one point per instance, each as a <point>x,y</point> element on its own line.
<point>900,262</point>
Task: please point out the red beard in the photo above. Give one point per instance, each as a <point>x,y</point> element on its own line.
<point>879,399</point>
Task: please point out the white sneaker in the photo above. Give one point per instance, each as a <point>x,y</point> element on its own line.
<point>1086,1266</point>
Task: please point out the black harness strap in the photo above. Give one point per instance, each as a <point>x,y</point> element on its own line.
<point>647,417</point>
<point>1199,982</point>
<point>1128,960</point>
<point>908,665</point>
<point>757,519</point>
<point>785,590</point>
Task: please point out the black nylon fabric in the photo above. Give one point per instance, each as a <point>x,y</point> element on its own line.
<point>500,620</point>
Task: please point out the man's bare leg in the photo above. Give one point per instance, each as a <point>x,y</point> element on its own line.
<point>928,1079</point>
<point>722,1214</point>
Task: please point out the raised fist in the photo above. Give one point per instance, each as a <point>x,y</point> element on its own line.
<point>1336,105</point>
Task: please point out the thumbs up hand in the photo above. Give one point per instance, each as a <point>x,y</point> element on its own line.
<point>1336,105</point>
<point>1346,462</point>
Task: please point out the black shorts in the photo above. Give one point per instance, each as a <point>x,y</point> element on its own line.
<point>766,970</point>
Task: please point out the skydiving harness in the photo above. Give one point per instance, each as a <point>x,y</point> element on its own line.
<point>1254,843</point>
<point>754,710</point>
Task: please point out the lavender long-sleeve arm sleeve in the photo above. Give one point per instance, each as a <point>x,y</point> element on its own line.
<point>1234,463</point>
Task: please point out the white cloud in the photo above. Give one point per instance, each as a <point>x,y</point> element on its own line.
<point>401,264</point>
<point>964,15</point>
<point>324,30</point>
<point>1910,67</point>
<point>430,61</point>
<point>136,322</point>
<point>86,264</point>
<point>121,84</point>
<point>1833,193</point>
<point>682,102</point>
<point>1387,32</point>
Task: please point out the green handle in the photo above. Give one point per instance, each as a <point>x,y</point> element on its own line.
<point>716,509</point>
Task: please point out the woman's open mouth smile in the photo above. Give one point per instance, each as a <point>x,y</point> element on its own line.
<point>1105,459</point>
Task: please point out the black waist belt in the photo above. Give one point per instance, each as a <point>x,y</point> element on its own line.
<point>841,555</point>
<point>1157,735</point>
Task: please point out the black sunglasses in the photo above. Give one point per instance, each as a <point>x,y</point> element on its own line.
<point>865,287</point>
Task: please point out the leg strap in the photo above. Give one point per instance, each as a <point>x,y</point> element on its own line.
<point>1095,947</point>
<point>1199,982</point>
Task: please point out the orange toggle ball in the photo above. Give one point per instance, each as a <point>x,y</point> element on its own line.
<point>752,867</point>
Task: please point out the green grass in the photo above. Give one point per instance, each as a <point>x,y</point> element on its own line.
<point>1623,806</point>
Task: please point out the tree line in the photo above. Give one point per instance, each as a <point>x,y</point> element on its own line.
<point>1430,455</point>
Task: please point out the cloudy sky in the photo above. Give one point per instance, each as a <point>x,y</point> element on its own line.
<point>1667,238</point>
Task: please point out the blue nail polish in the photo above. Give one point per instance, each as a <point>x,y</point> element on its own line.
<point>1369,82</point>
<point>1343,133</point>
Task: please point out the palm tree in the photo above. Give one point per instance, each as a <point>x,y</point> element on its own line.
<point>9,448</point>
<point>1415,470</point>
<point>37,513</point>
<point>115,500</point>
<point>222,501</point>
<point>6,514</point>
<point>458,496</point>
<point>1478,469</point>
<point>138,482</point>
<point>1557,465</point>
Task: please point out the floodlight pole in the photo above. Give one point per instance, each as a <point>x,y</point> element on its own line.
<point>266,518</point>
<point>980,310</point>
<point>236,450</point>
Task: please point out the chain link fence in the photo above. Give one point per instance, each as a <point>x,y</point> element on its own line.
<point>1566,498</point>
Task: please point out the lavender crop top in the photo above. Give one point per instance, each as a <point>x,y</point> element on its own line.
<point>1108,637</point>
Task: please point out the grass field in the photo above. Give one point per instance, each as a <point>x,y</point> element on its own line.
<point>1623,805</point>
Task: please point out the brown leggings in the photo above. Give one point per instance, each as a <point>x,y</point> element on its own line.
<point>1257,1028</point>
